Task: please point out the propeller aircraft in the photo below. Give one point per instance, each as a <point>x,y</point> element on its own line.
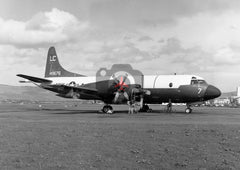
<point>122,84</point>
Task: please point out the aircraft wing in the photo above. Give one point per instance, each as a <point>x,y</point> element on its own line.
<point>76,88</point>
<point>68,91</point>
<point>34,79</point>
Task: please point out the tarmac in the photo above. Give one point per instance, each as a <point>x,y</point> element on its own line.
<point>78,136</point>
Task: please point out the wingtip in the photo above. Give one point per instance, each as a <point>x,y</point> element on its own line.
<point>20,75</point>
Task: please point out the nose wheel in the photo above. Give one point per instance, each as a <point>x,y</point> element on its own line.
<point>107,109</point>
<point>188,109</point>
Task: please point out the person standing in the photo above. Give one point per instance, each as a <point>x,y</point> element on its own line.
<point>169,106</point>
<point>131,107</point>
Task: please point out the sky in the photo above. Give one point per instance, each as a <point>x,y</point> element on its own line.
<point>155,36</point>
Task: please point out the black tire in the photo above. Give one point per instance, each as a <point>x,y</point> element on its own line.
<point>188,110</point>
<point>105,109</point>
<point>145,108</point>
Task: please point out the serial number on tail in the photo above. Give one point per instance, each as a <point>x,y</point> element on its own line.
<point>55,73</point>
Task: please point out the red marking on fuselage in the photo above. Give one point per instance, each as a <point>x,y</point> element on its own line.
<point>121,84</point>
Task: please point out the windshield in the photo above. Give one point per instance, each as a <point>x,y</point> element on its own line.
<point>202,82</point>
<point>195,81</point>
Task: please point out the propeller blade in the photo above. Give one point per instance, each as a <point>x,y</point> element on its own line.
<point>124,79</point>
<point>126,95</point>
<point>141,102</point>
<point>116,97</point>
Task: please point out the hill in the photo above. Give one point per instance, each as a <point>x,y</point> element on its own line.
<point>27,93</point>
<point>228,94</point>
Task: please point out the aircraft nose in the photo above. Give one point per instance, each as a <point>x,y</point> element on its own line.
<point>212,92</point>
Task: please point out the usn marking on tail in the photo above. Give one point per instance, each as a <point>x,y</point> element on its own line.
<point>122,84</point>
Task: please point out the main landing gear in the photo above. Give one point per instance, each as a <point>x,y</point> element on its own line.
<point>188,109</point>
<point>145,108</point>
<point>107,109</point>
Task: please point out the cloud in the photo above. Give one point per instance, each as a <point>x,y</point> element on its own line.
<point>227,56</point>
<point>145,38</point>
<point>151,13</point>
<point>42,29</point>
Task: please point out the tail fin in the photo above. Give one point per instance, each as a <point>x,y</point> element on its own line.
<point>53,67</point>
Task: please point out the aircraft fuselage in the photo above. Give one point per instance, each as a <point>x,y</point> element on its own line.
<point>177,88</point>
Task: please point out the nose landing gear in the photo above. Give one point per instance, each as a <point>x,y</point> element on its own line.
<point>144,108</point>
<point>188,109</point>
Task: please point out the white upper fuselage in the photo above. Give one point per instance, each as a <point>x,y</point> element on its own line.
<point>149,81</point>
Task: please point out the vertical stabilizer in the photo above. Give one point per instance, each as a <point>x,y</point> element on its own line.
<point>53,67</point>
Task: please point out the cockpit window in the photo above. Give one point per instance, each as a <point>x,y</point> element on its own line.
<point>195,81</point>
<point>202,82</point>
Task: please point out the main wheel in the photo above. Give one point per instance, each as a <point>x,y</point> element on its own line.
<point>145,108</point>
<point>107,109</point>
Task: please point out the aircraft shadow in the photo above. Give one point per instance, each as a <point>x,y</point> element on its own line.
<point>68,111</point>
<point>152,113</point>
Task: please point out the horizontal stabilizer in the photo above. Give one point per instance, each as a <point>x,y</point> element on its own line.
<point>34,79</point>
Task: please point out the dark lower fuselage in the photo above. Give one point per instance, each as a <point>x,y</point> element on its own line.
<point>175,95</point>
<point>182,94</point>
